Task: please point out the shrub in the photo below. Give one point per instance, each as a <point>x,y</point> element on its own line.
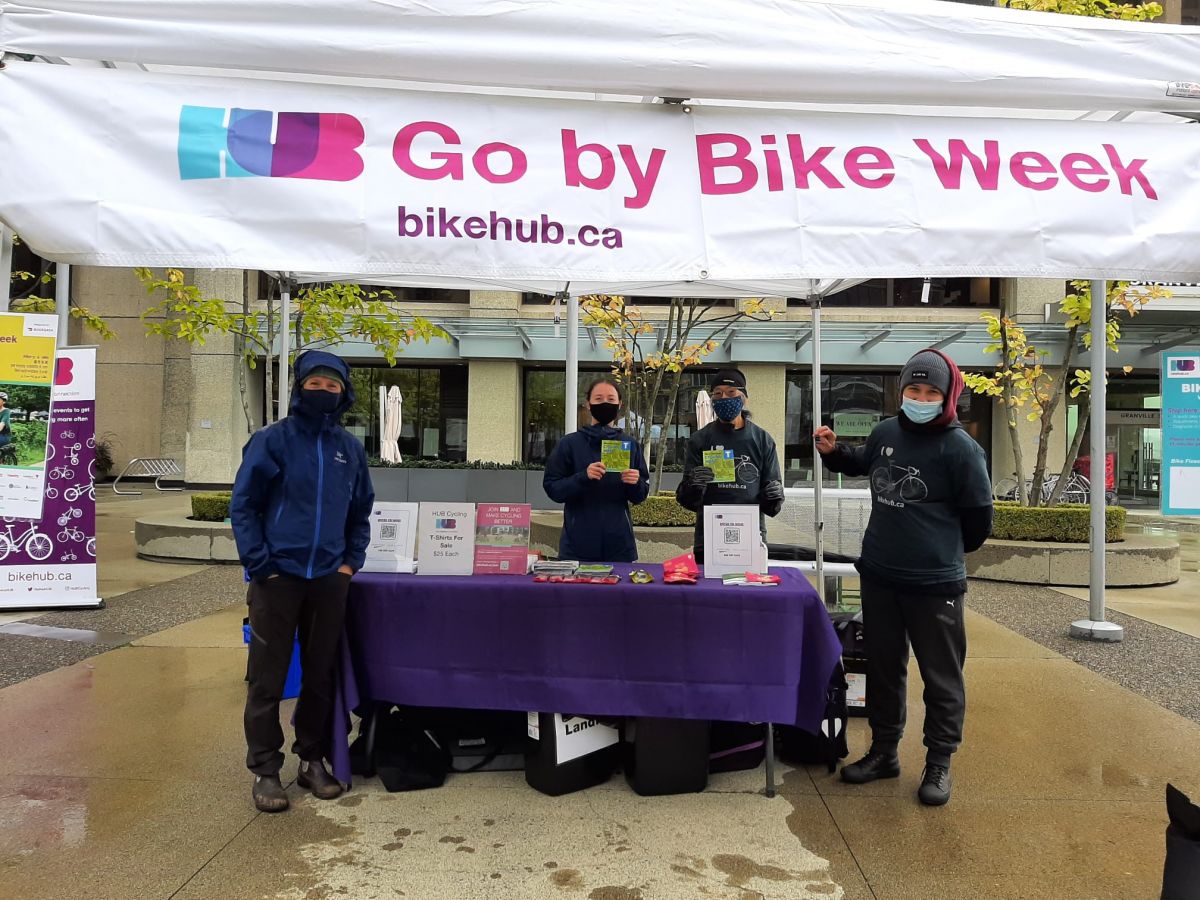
<point>212,506</point>
<point>1066,524</point>
<point>662,510</point>
<point>415,463</point>
<point>30,438</point>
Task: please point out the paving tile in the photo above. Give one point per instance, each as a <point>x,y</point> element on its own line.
<point>104,838</point>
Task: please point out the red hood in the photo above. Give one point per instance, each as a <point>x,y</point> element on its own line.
<point>950,406</point>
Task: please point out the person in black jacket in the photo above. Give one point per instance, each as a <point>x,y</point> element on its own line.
<point>757,480</point>
<point>596,523</point>
<point>931,503</point>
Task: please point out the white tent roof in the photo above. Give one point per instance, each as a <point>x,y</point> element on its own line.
<point>919,52</point>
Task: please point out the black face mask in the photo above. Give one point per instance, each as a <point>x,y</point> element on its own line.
<point>317,402</point>
<point>604,413</point>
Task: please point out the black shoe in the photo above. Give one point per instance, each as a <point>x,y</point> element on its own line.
<point>873,766</point>
<point>313,776</point>
<point>935,785</point>
<point>268,794</point>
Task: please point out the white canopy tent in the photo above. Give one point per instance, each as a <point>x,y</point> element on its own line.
<point>1036,193</point>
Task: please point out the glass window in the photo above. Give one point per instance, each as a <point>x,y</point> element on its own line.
<point>852,403</point>
<point>906,292</point>
<point>433,412</point>
<point>544,417</point>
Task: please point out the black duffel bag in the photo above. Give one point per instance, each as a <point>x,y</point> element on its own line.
<point>406,755</point>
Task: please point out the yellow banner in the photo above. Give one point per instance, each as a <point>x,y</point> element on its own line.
<point>27,345</point>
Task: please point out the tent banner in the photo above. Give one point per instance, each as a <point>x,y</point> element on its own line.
<point>51,562</point>
<point>27,343</point>
<point>109,167</point>
<point>913,52</point>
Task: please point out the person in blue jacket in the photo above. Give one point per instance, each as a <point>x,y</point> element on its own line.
<point>596,523</point>
<point>301,517</point>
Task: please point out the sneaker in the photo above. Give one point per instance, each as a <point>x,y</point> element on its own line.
<point>268,794</point>
<point>935,785</point>
<point>871,767</point>
<point>313,776</point>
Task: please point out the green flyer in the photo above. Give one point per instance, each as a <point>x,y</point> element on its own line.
<point>616,455</point>
<point>721,463</point>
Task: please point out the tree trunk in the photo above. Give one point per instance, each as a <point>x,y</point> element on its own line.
<point>269,361</point>
<point>1010,415</point>
<point>1072,455</point>
<point>660,446</point>
<point>1047,420</point>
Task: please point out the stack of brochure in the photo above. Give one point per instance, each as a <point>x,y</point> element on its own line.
<point>750,579</point>
<point>555,567</point>
<point>595,570</point>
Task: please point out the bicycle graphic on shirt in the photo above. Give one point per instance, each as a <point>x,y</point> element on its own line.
<point>904,481</point>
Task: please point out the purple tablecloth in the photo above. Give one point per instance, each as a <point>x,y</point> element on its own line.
<point>704,651</point>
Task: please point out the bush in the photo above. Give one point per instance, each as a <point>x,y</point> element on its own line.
<point>1066,524</point>
<point>414,463</point>
<point>30,439</point>
<point>212,506</point>
<point>662,510</point>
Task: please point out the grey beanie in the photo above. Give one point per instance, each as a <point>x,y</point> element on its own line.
<point>927,367</point>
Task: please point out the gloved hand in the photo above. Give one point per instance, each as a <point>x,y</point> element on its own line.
<point>773,491</point>
<point>701,476</point>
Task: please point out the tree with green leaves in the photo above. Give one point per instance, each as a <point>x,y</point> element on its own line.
<point>1025,385</point>
<point>322,315</point>
<point>32,292</point>
<point>1096,9</point>
<point>650,356</point>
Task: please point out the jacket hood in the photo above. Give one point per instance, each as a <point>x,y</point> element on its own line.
<point>312,359</point>
<point>602,432</point>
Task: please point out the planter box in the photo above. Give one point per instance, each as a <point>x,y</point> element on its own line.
<point>438,485</point>
<point>496,485</point>
<point>390,484</point>
<point>535,494</point>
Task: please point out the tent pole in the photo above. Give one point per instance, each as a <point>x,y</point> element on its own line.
<point>285,319</point>
<point>62,301</point>
<point>572,400</point>
<point>814,302</point>
<point>6,248</point>
<point>1095,628</point>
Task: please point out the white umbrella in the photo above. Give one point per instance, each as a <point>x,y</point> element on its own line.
<point>391,426</point>
<point>704,409</point>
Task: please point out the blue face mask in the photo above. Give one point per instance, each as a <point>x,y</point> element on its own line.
<point>729,408</point>
<point>920,412</point>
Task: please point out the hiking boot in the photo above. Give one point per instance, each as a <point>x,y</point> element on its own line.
<point>268,794</point>
<point>873,766</point>
<point>935,785</point>
<point>312,775</point>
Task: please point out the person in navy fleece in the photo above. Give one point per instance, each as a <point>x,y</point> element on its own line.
<point>596,523</point>
<point>301,517</point>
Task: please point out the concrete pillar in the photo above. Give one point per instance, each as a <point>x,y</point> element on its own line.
<point>494,429</point>
<point>129,368</point>
<point>1027,297</point>
<point>216,425</point>
<point>766,384</point>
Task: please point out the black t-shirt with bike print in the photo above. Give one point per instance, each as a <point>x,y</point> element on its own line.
<point>919,484</point>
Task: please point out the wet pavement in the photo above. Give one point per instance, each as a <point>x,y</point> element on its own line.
<point>122,776</point>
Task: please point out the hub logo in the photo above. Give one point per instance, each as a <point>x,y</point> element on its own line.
<point>239,143</point>
<point>1183,367</point>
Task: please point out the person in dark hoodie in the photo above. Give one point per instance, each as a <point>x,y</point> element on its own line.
<point>931,503</point>
<point>596,523</point>
<point>301,517</point>
<point>757,480</point>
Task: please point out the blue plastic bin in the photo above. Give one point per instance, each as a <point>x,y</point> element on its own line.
<point>291,687</point>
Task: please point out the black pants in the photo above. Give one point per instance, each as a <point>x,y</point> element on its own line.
<point>278,607</point>
<point>892,618</point>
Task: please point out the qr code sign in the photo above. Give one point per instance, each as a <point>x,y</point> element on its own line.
<point>733,535</point>
<point>387,532</point>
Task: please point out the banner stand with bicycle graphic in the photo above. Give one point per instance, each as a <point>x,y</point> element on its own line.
<point>51,561</point>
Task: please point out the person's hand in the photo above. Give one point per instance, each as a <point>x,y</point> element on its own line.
<point>702,475</point>
<point>630,476</point>
<point>346,570</point>
<point>773,490</point>
<point>826,440</point>
<point>596,471</point>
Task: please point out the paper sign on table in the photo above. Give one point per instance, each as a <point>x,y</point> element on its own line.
<point>721,463</point>
<point>393,538</point>
<point>446,538</point>
<point>732,541</point>
<point>502,538</point>
<point>616,455</point>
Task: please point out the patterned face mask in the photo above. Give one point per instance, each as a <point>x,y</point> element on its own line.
<point>728,408</point>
